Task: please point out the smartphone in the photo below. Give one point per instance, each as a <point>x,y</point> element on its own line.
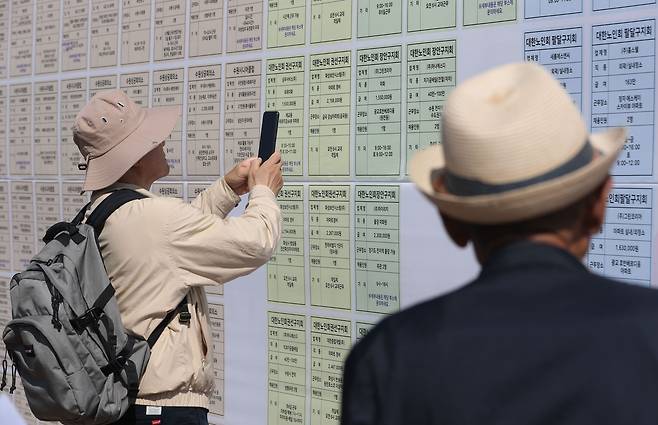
<point>268,134</point>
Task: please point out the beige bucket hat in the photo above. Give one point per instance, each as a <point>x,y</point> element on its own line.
<point>113,132</point>
<point>514,147</point>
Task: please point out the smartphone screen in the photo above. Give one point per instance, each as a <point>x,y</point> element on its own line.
<point>268,134</point>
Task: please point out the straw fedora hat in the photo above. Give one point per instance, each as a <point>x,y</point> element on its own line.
<point>113,132</point>
<point>514,148</point>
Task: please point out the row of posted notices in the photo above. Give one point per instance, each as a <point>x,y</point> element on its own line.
<point>76,34</point>
<point>326,118</point>
<point>353,238</point>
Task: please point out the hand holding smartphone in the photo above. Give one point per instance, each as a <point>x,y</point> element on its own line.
<point>268,131</point>
<point>267,173</point>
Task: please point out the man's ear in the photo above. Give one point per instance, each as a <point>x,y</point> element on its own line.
<point>595,215</point>
<point>459,232</point>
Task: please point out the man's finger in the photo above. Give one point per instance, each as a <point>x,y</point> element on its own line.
<point>253,165</point>
<point>276,157</point>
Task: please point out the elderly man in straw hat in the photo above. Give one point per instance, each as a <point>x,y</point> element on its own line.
<point>159,250</point>
<point>536,338</point>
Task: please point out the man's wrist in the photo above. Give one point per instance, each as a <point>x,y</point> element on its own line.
<point>230,191</point>
<point>230,184</point>
<point>261,190</point>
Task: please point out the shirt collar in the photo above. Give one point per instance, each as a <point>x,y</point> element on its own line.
<point>527,253</point>
<point>116,186</point>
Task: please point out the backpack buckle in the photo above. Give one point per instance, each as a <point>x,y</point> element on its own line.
<point>114,366</point>
<point>185,317</point>
<point>91,316</point>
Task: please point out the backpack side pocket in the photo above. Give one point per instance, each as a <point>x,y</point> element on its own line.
<point>45,365</point>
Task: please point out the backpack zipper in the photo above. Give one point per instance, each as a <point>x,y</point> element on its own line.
<point>13,379</point>
<point>56,299</point>
<point>4,373</point>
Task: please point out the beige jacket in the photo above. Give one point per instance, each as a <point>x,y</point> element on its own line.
<point>158,249</point>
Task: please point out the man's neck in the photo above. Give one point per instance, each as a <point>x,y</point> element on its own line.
<point>136,180</point>
<point>118,185</point>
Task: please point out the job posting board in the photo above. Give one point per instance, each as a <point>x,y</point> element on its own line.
<point>360,86</point>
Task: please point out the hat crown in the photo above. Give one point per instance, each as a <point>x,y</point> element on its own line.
<point>510,124</point>
<point>105,121</point>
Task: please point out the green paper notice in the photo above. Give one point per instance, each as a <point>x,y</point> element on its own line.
<point>330,343</point>
<point>329,114</point>
<point>331,20</point>
<point>329,256</point>
<point>285,271</point>
<point>286,369</point>
<point>286,23</point>
<point>377,247</point>
<point>379,17</point>
<point>285,93</point>
<point>425,15</point>
<point>431,75</point>
<point>488,11</point>
<point>378,111</point>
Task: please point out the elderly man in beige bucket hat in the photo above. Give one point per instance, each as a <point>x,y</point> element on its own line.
<point>536,338</point>
<point>159,250</point>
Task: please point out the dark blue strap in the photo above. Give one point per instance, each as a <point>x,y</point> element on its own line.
<point>110,204</point>
<point>184,318</point>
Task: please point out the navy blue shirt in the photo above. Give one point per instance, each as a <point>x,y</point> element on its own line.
<point>535,339</point>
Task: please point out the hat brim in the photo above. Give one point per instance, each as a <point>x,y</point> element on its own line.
<point>519,204</point>
<point>106,169</point>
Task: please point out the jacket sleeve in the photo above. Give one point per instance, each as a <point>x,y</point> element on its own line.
<point>218,199</point>
<point>208,248</point>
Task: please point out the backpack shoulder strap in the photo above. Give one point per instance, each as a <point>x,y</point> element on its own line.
<point>110,204</point>
<point>80,215</point>
<point>184,317</point>
<point>97,220</point>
